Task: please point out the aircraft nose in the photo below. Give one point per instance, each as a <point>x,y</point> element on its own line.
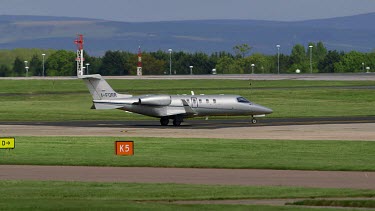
<point>267,110</point>
<point>262,110</point>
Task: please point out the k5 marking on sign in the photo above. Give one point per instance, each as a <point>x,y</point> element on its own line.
<point>124,147</point>
<point>7,142</point>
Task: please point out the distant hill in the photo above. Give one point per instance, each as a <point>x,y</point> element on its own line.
<point>344,33</point>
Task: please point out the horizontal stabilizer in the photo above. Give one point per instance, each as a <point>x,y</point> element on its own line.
<point>104,106</point>
<point>114,104</point>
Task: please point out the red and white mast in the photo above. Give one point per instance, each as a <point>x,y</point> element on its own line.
<point>79,59</point>
<point>139,66</point>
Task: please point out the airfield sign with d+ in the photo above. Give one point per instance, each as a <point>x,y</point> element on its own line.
<point>7,142</point>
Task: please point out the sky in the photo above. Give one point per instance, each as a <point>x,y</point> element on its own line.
<point>167,10</point>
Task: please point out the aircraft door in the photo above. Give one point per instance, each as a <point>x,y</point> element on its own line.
<point>194,102</point>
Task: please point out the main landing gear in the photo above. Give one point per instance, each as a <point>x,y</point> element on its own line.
<point>164,121</point>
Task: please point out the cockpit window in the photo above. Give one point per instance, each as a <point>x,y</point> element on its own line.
<point>242,100</point>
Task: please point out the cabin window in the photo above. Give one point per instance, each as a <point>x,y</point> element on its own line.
<point>207,100</point>
<point>200,100</point>
<point>242,100</point>
<point>214,100</point>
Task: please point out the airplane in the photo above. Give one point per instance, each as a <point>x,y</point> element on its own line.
<point>171,107</point>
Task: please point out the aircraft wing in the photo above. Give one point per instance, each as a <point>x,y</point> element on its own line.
<point>188,109</point>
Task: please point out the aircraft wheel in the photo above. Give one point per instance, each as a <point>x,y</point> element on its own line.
<point>254,121</point>
<point>176,122</point>
<point>164,121</point>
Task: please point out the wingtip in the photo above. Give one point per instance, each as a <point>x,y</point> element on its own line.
<point>98,76</point>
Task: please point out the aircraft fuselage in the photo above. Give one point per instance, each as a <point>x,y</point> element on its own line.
<point>195,105</point>
<point>165,107</point>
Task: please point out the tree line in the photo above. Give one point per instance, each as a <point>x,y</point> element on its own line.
<point>315,57</point>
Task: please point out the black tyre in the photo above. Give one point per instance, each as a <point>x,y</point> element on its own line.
<point>176,122</point>
<point>164,121</point>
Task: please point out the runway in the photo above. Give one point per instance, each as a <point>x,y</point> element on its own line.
<point>248,177</point>
<point>263,77</point>
<point>337,128</point>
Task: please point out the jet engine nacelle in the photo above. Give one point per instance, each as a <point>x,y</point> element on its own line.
<point>155,100</point>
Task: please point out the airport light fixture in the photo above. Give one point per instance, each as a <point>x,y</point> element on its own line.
<point>170,61</point>
<point>191,70</point>
<point>278,59</point>
<point>363,66</point>
<point>252,68</point>
<point>26,68</point>
<point>87,68</point>
<point>43,55</point>
<point>310,46</point>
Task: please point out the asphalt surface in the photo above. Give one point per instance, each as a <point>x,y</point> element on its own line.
<point>203,124</point>
<point>315,76</point>
<point>351,129</point>
<point>249,177</point>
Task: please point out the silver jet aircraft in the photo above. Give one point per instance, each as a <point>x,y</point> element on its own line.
<point>174,107</point>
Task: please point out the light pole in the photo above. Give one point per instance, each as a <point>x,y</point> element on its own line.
<point>252,68</point>
<point>26,69</point>
<point>278,59</point>
<point>170,61</point>
<point>43,55</point>
<point>310,46</point>
<point>87,68</point>
<point>191,70</point>
<point>363,66</point>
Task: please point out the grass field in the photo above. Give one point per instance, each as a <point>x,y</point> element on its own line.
<point>198,153</point>
<point>165,86</point>
<point>60,100</point>
<point>132,196</point>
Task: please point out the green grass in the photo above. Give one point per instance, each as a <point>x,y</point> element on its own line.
<point>336,203</point>
<point>61,100</point>
<point>164,86</point>
<point>53,195</point>
<point>198,153</point>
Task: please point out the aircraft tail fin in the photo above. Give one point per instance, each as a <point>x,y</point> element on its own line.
<point>100,89</point>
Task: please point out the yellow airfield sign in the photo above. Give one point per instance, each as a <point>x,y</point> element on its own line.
<point>7,142</point>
